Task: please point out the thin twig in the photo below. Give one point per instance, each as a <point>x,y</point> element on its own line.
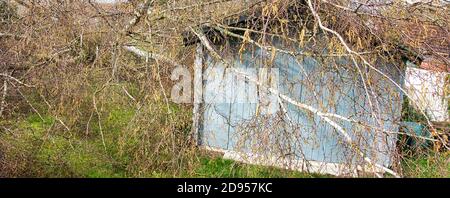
<point>16,80</point>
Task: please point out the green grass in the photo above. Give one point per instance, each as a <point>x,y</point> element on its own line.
<point>55,154</point>
<point>429,165</point>
<point>52,153</point>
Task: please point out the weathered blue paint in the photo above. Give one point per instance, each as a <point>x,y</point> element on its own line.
<point>329,88</point>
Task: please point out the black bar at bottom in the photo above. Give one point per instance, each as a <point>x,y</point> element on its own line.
<point>226,187</point>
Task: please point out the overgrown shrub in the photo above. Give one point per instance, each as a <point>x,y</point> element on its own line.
<point>75,119</point>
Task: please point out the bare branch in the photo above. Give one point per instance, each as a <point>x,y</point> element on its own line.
<point>15,79</point>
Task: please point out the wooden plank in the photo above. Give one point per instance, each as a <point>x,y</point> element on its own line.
<point>198,94</point>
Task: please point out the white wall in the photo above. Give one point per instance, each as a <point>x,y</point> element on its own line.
<point>427,88</point>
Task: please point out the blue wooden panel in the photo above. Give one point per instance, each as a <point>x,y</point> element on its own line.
<point>327,88</point>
